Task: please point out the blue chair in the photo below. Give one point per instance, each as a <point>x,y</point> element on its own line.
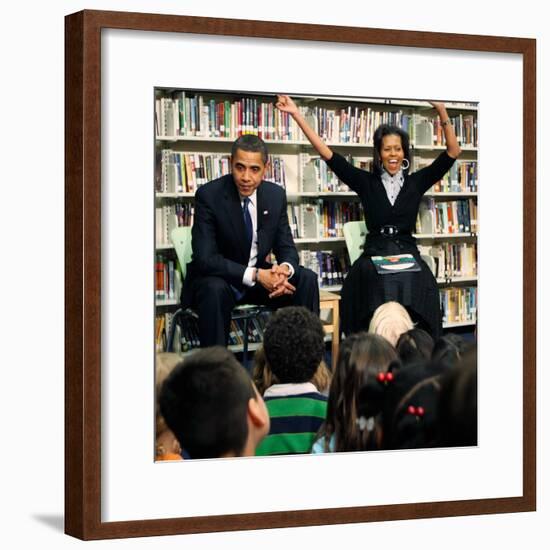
<point>181,239</point>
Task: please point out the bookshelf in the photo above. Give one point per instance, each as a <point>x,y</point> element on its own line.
<point>194,130</point>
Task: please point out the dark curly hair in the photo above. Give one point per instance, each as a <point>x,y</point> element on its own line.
<point>294,344</point>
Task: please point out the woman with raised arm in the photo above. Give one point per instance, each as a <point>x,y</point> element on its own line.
<point>390,196</point>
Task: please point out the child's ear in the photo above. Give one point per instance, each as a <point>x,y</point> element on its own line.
<point>257,412</point>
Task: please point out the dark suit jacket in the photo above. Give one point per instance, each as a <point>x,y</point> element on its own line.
<point>218,232</point>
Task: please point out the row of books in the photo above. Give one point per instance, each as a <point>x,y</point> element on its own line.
<point>461,178</point>
<point>458,305</point>
<point>186,334</point>
<point>447,217</point>
<point>453,260</point>
<point>167,279</point>
<point>256,329</point>
<point>333,215</point>
<point>198,116</point>
<point>355,124</point>
<point>465,127</point>
<point>170,216</point>
<point>163,323</point>
<point>316,176</point>
<point>178,172</point>
<point>322,219</point>
<point>331,268</point>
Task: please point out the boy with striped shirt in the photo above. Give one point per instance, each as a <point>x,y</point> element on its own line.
<point>294,347</point>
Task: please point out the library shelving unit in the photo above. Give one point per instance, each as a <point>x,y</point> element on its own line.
<point>194,130</point>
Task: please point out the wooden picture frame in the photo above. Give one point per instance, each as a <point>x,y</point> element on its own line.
<point>83,273</point>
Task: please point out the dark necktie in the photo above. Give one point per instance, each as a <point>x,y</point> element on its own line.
<point>247,221</point>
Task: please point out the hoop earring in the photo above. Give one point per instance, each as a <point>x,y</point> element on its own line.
<point>403,164</point>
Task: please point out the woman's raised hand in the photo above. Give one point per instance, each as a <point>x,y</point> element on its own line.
<point>284,103</point>
<point>437,105</point>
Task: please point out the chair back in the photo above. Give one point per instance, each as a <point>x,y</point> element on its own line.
<point>355,233</point>
<point>181,239</point>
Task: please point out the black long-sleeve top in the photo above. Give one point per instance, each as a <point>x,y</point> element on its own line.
<point>376,205</point>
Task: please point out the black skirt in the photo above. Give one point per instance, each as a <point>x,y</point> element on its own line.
<point>364,290</point>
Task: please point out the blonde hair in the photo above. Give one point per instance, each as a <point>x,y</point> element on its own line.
<point>390,320</point>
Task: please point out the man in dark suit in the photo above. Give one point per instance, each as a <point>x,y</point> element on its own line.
<point>239,220</point>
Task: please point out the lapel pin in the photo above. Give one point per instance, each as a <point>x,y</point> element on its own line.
<point>265,212</point>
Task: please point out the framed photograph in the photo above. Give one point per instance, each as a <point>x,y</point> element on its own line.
<point>114,63</point>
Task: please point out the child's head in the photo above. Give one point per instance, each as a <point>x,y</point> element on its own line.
<point>414,346</point>
<point>390,320</point>
<point>263,377</point>
<point>448,350</point>
<point>356,392</point>
<point>294,344</point>
<point>458,403</point>
<point>212,406</point>
<point>411,409</point>
<point>165,442</point>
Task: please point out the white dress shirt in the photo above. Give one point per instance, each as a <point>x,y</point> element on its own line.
<point>252,260</point>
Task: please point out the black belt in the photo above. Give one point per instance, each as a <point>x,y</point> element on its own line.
<point>391,231</point>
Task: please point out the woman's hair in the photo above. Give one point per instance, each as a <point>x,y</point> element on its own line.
<point>322,378</point>
<point>414,345</point>
<point>410,416</point>
<point>355,394</point>
<point>448,350</point>
<point>165,364</point>
<point>390,320</point>
<point>263,377</point>
<point>458,403</point>
<point>380,133</point>
<point>261,374</point>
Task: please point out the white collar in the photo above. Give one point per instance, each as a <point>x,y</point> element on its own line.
<point>251,197</point>
<point>279,390</point>
<point>398,177</point>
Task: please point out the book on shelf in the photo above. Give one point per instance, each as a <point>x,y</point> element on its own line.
<point>459,305</point>
<point>195,115</point>
<point>398,263</point>
<point>167,279</point>
<point>170,216</point>
<point>353,124</point>
<point>330,266</point>
<point>447,217</point>
<point>453,260</point>
<point>334,214</point>
<point>182,172</point>
<point>293,213</point>
<point>317,177</point>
